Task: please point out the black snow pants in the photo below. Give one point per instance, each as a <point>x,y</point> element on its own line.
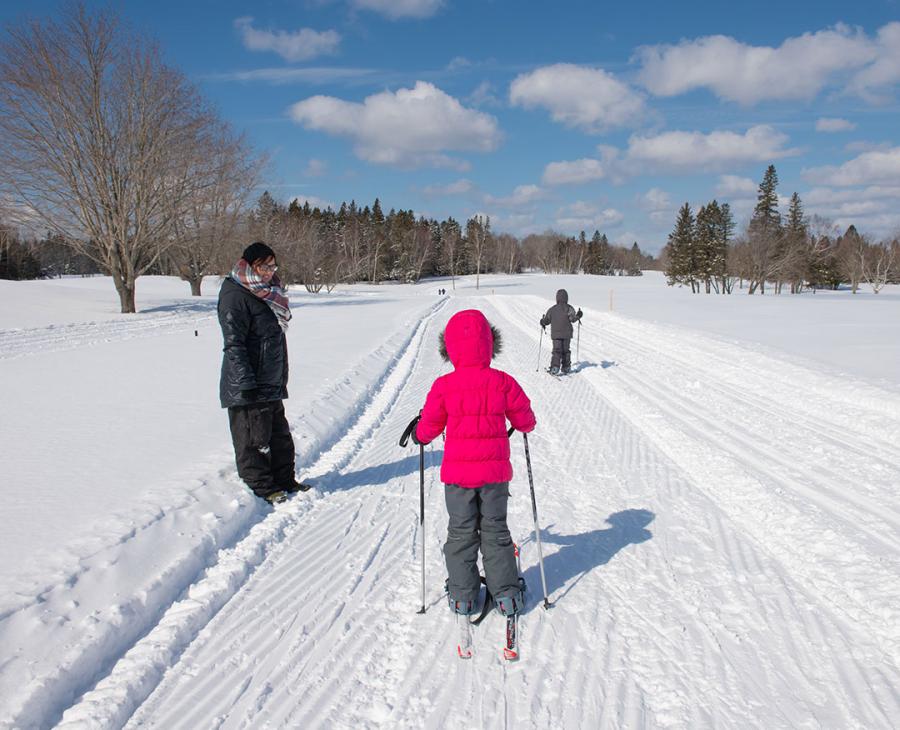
<point>478,519</point>
<point>263,446</point>
<point>561,353</point>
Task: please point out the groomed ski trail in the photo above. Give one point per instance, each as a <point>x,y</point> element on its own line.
<point>244,531</point>
<point>686,595</point>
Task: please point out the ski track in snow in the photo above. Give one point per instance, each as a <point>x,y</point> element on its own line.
<point>112,630</point>
<point>709,568</point>
<point>54,338</point>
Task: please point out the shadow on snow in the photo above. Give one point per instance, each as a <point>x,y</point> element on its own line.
<point>579,554</point>
<point>377,474</point>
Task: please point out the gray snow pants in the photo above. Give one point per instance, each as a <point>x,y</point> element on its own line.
<point>478,519</point>
<point>561,353</point>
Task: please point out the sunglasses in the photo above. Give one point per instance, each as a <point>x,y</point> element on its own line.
<point>267,267</point>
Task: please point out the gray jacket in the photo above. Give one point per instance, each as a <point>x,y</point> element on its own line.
<point>560,317</point>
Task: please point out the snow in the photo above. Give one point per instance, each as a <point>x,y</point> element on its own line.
<point>716,488</point>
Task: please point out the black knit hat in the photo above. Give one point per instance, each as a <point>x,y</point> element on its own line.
<point>256,251</point>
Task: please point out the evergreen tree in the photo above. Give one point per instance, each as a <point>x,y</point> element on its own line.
<point>796,245</point>
<point>766,209</point>
<point>604,259</point>
<point>764,233</point>
<point>704,244</point>
<point>679,249</point>
<point>634,261</point>
<point>591,262</point>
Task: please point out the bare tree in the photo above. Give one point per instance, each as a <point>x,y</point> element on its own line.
<point>878,264</point>
<point>214,214</point>
<point>478,230</point>
<point>851,254</point>
<point>97,138</point>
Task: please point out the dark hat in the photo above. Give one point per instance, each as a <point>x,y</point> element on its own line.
<point>256,251</point>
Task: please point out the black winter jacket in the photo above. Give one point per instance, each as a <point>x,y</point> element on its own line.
<point>560,317</point>
<point>255,360</point>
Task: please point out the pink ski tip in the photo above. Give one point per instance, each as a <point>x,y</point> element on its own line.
<point>463,654</point>
<point>510,655</point>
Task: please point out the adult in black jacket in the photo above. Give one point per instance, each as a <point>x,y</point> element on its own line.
<point>254,315</point>
<point>560,318</point>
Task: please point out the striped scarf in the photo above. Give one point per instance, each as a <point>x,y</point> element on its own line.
<point>272,292</point>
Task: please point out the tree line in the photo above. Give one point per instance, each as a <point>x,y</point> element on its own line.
<point>703,253</point>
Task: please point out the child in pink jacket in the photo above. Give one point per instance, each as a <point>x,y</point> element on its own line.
<point>473,403</point>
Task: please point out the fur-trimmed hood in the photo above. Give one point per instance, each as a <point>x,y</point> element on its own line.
<point>469,340</point>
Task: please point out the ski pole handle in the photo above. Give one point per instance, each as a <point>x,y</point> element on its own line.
<point>404,439</point>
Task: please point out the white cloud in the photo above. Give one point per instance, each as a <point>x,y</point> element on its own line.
<point>656,199</point>
<point>406,128</point>
<point>675,151</point>
<point>863,146</point>
<point>579,208</point>
<point>314,201</point>
<point>658,204</point>
<point>308,75</point>
<point>608,218</point>
<point>692,151</point>
<point>573,172</point>
<point>458,62</point>
<point>522,195</point>
<point>820,197</point>
<point>578,96</point>
<point>519,224</point>
<point>736,187</point>
<point>484,95</point>
<point>315,168</point>
<point>869,168</point>
<point>395,9</point>
<point>299,45</point>
<point>885,71</point>
<point>832,124</point>
<point>797,69</point>
<point>460,187</point>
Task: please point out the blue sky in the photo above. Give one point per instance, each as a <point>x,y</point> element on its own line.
<point>573,115</point>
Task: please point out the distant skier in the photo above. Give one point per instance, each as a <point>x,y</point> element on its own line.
<point>254,315</point>
<point>473,403</point>
<point>560,317</point>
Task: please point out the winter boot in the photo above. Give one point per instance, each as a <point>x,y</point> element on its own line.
<point>276,497</point>
<point>296,486</point>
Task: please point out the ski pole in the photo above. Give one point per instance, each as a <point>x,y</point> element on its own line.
<point>578,343</point>
<point>540,346</point>
<point>537,529</point>
<point>404,440</point>
<point>422,518</point>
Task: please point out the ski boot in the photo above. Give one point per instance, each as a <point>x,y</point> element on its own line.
<point>463,609</point>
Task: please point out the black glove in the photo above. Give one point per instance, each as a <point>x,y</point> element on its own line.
<point>410,432</point>
<point>579,313</point>
<point>412,435</point>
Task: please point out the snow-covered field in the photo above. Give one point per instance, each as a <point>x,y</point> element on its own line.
<point>717,488</point>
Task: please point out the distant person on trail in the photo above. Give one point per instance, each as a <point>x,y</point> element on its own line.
<point>473,403</point>
<point>254,315</point>
<point>560,318</point>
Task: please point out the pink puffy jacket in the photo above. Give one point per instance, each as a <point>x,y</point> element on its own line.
<point>473,403</point>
